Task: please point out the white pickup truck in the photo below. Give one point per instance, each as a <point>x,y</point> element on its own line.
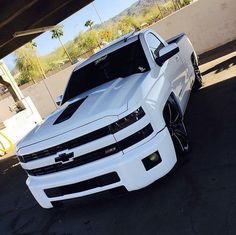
<point>120,121</point>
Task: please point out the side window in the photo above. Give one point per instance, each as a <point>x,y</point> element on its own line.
<point>154,44</point>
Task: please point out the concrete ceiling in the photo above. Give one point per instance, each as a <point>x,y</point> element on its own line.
<point>30,14</point>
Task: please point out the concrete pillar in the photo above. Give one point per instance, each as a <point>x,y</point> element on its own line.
<point>7,80</point>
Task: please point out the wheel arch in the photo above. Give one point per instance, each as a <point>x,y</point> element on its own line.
<point>194,58</point>
<point>180,141</point>
<point>173,97</point>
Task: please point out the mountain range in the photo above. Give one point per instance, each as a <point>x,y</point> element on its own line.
<point>137,7</point>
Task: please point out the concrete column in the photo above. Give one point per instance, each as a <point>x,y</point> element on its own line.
<point>7,80</point>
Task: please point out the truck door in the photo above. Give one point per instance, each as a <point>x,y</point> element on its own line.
<point>175,72</point>
<point>174,69</point>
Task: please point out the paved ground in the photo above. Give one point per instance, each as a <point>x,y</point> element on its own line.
<point>198,198</point>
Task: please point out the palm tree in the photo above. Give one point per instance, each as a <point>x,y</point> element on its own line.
<point>89,23</point>
<point>57,33</point>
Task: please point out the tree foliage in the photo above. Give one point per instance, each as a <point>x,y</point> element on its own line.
<point>26,63</point>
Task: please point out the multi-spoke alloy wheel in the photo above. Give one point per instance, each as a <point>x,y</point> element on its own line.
<point>176,127</point>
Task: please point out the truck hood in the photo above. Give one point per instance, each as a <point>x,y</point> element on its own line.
<point>109,99</point>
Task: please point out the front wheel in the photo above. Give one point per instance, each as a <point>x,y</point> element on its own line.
<point>176,127</point>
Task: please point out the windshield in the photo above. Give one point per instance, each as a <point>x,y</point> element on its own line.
<point>123,62</point>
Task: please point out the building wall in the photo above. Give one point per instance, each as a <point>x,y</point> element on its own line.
<point>208,23</point>
<point>5,106</point>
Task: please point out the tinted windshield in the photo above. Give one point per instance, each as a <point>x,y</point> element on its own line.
<point>123,62</point>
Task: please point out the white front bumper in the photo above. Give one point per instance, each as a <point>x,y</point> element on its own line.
<point>128,166</point>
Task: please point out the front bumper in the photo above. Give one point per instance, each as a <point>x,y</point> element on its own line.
<point>128,166</point>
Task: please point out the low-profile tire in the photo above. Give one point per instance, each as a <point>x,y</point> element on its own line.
<point>198,76</point>
<point>175,124</point>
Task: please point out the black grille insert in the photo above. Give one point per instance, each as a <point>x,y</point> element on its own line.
<point>95,155</point>
<point>96,182</point>
<point>67,145</point>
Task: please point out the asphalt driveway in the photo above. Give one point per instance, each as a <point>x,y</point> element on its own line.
<point>199,197</point>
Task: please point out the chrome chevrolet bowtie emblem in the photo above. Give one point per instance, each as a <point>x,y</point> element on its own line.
<point>64,157</point>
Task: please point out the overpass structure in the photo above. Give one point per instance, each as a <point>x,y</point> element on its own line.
<point>20,22</point>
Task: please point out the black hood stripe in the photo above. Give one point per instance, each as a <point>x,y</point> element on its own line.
<point>69,111</point>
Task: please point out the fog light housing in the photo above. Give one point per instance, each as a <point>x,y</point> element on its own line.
<point>151,161</point>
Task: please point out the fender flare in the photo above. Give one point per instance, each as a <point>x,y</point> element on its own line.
<point>174,98</point>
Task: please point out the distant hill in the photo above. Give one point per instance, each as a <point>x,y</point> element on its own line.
<point>134,9</point>
<point>137,7</point>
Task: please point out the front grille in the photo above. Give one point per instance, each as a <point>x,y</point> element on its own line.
<point>67,145</point>
<point>92,136</point>
<point>95,155</point>
<point>96,182</point>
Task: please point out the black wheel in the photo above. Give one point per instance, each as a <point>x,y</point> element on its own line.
<point>176,127</point>
<point>198,77</point>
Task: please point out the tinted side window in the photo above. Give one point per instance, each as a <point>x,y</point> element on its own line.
<point>154,44</point>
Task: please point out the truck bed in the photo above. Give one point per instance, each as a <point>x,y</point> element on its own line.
<point>176,38</point>
<point>185,46</point>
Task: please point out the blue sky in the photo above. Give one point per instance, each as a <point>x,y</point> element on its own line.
<point>75,23</point>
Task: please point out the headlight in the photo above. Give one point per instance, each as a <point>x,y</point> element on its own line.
<point>126,121</point>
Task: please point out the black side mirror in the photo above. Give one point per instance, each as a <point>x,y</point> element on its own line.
<point>166,53</point>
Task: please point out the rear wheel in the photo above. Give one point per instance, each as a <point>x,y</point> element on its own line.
<point>174,122</point>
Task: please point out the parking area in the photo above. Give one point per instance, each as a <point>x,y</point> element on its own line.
<point>199,197</point>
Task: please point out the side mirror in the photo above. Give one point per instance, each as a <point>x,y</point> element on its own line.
<point>59,100</point>
<point>166,53</point>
